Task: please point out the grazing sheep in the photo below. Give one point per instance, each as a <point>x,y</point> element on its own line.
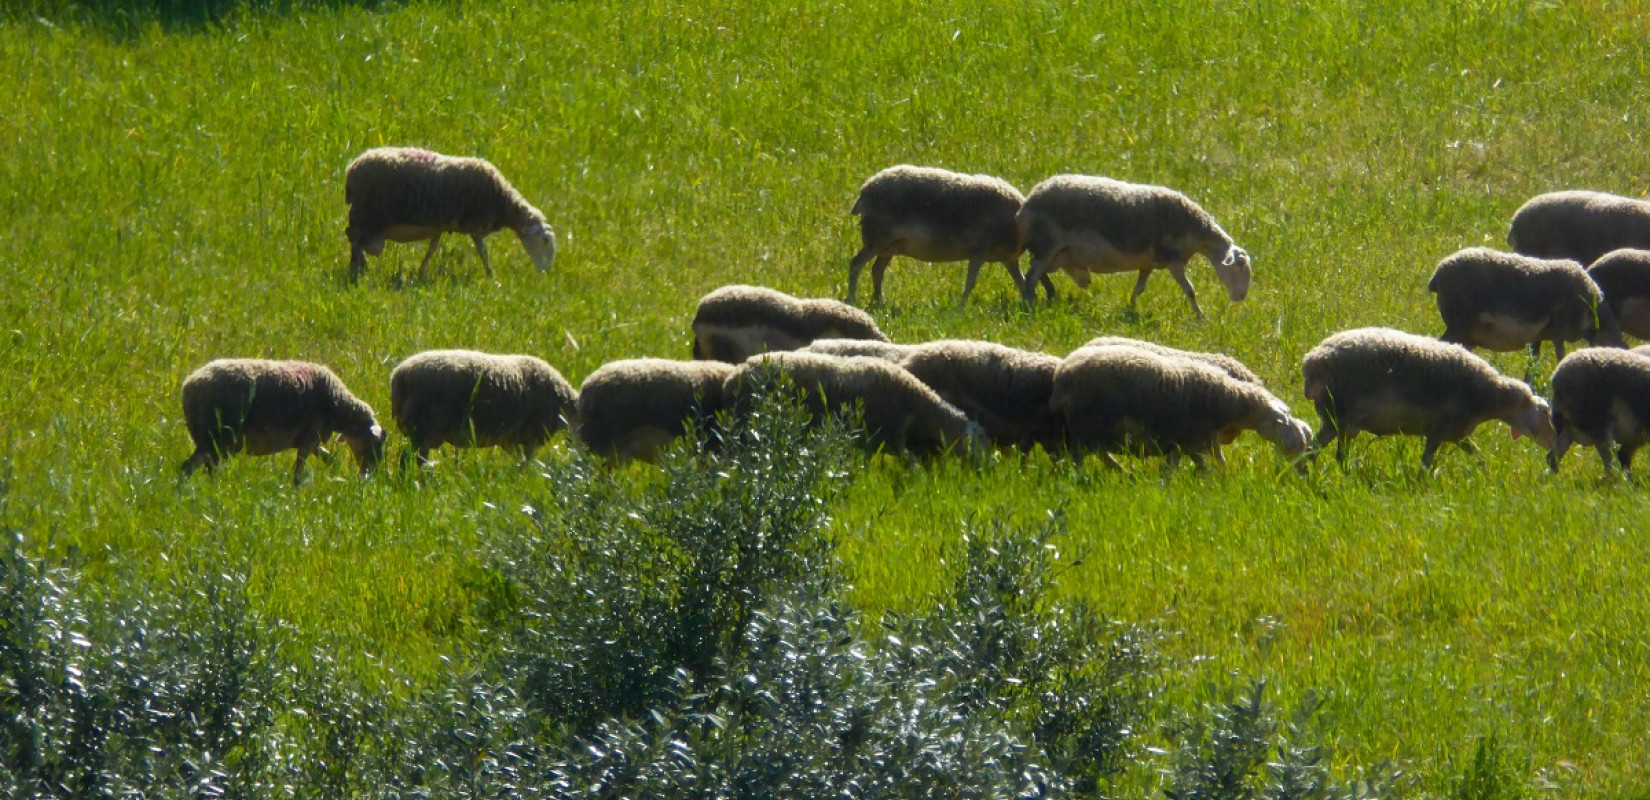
<point>470,399</point>
<point>403,194</point>
<point>1505,301</point>
<point>1386,381</point>
<point>1624,277</point>
<point>1581,226</point>
<point>734,323</point>
<point>898,412</point>
<point>1125,399</point>
<point>262,407</point>
<point>871,348</point>
<point>935,215</point>
<point>1004,389</point>
<point>1220,361</point>
<point>635,408</point>
<point>1602,398</point>
<point>1084,224</point>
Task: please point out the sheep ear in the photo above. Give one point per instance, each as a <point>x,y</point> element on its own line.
<point>377,431</point>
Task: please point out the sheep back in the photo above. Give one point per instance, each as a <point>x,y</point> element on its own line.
<point>1220,361</point>
<point>937,215</point>
<point>1601,397</point>
<point>897,411</point>
<point>870,348</point>
<point>261,407</point>
<point>388,187</point>
<point>1579,225</point>
<point>1082,223</point>
<point>1390,382</point>
<point>1506,301</point>
<point>1005,390</point>
<point>1624,277</point>
<point>470,399</point>
<point>736,322</point>
<point>634,408</point>
<point>1123,398</point>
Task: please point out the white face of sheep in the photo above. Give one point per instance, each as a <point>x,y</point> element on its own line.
<point>1233,271</point>
<point>368,448</point>
<point>1536,422</point>
<point>540,243</point>
<point>1291,436</point>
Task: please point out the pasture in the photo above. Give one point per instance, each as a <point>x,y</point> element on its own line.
<point>173,193</point>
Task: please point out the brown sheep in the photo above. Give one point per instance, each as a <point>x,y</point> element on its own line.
<point>261,407</point>
<point>734,323</point>
<point>403,194</point>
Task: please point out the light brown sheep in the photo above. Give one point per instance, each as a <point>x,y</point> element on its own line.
<point>1386,381</point>
<point>1083,224</point>
<point>635,408</point>
<point>1578,225</point>
<point>935,215</point>
<point>1122,399</point>
<point>1505,301</point>
<point>1601,397</point>
<point>470,399</point>
<point>261,407</point>
<point>403,194</point>
<point>898,412</point>
<point>734,323</point>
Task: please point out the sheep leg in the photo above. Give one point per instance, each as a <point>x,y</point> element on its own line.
<point>1624,454</point>
<point>428,252</point>
<point>1013,267</point>
<point>974,265</point>
<point>357,262</point>
<point>1179,273</point>
<point>879,267</point>
<point>1604,455</point>
<point>481,248</point>
<point>1558,349</point>
<point>1560,447</point>
<point>1035,273</point>
<point>855,265</point>
<point>1140,285</point>
<point>298,466</point>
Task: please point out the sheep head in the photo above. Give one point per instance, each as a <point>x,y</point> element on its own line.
<point>540,243</point>
<point>1278,426</point>
<point>1233,271</point>
<point>1535,420</point>
<point>367,447</point>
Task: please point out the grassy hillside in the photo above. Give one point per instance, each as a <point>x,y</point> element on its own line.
<point>174,194</point>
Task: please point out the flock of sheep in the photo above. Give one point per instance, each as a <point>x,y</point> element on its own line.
<point>1581,271</point>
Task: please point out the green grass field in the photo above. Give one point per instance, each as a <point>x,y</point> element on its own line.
<point>174,193</point>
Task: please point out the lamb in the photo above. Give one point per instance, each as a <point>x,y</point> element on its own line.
<point>633,409</point>
<point>470,399</point>
<point>1005,390</point>
<point>734,323</point>
<point>1124,399</point>
<point>871,348</point>
<point>1581,226</point>
<point>898,412</point>
<point>1602,398</point>
<point>1624,277</point>
<point>1505,301</point>
<point>262,407</point>
<point>1083,224</point>
<point>1220,361</point>
<point>1386,381</point>
<point>936,215</point>
<point>403,194</point>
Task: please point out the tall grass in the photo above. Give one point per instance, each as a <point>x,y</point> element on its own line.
<point>173,193</point>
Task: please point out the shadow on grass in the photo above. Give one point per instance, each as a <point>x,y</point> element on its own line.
<point>127,18</point>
